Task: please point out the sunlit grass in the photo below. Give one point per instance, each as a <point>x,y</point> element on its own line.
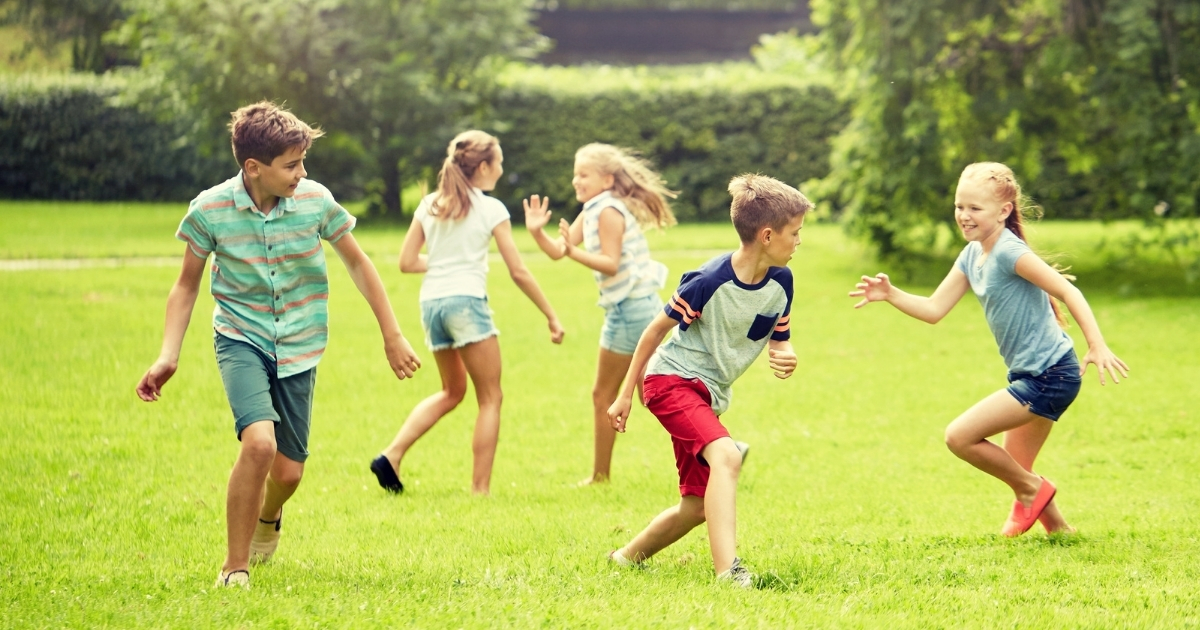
<point>850,507</point>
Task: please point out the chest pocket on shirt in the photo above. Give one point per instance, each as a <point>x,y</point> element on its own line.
<point>762,326</point>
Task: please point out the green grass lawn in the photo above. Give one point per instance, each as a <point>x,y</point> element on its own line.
<point>850,506</point>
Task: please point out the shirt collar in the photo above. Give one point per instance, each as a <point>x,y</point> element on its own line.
<point>606,194</point>
<point>242,200</point>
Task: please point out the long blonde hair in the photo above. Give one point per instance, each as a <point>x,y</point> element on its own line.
<point>466,152</point>
<point>1007,190</point>
<point>635,182</point>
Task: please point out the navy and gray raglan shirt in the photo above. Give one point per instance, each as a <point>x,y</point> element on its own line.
<point>724,324</point>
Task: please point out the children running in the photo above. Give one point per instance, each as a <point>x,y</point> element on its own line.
<point>457,222</point>
<point>621,194</point>
<point>263,228</point>
<point>1044,375</point>
<point>726,311</point>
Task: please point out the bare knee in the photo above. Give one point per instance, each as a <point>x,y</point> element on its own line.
<point>287,476</point>
<point>692,511</point>
<point>489,396</point>
<point>723,457</point>
<point>454,393</point>
<point>258,447</point>
<point>958,441</point>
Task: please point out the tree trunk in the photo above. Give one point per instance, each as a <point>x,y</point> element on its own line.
<point>390,168</point>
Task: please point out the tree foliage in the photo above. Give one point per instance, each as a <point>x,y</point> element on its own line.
<point>391,77</point>
<point>81,24</point>
<point>1092,102</point>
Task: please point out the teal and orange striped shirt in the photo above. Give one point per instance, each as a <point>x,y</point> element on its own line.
<point>268,271</point>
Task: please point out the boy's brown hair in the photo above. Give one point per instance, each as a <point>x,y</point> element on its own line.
<point>760,201</point>
<point>264,131</point>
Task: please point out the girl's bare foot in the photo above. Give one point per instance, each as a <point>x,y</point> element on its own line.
<point>594,479</point>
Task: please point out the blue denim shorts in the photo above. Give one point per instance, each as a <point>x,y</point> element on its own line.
<point>1050,393</point>
<point>625,321</point>
<point>455,321</point>
<point>256,393</point>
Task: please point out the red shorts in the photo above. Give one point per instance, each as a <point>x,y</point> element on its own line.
<point>684,407</point>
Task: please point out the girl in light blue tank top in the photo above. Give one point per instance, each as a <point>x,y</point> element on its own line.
<point>1015,288</point>
<point>621,195</point>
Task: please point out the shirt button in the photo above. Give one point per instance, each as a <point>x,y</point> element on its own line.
<point>276,319</point>
<point>269,247</point>
<point>272,273</point>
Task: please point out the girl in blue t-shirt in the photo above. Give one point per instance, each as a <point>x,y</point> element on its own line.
<point>621,194</point>
<point>1044,376</point>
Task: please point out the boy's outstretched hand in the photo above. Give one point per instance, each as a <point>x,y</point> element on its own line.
<point>401,357</point>
<point>537,212</point>
<point>782,362</point>
<point>618,413</point>
<point>871,289</point>
<point>150,387</point>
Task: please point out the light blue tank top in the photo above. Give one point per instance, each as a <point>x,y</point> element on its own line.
<point>1017,311</point>
<point>637,275</point>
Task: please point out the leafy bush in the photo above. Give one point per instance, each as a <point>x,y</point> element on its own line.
<point>79,136</point>
<point>699,125</point>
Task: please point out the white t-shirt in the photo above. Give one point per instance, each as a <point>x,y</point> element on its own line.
<point>458,250</point>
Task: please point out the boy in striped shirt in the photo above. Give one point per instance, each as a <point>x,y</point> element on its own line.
<point>263,229</point>
<point>726,312</point>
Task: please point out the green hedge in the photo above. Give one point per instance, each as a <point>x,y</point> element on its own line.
<point>700,126</point>
<point>88,137</point>
<point>81,136</point>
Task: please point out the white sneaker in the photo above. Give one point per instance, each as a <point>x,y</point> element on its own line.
<point>241,578</point>
<point>616,558</point>
<point>737,574</point>
<point>742,448</point>
<point>265,540</point>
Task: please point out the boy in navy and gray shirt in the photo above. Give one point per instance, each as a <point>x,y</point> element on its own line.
<point>726,312</point>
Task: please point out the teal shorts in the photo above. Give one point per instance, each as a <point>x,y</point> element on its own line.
<point>256,393</point>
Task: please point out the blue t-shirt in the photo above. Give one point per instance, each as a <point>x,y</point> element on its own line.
<point>724,324</point>
<point>1017,311</point>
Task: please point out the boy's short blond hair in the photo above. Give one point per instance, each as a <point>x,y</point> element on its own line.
<point>264,131</point>
<point>760,201</point>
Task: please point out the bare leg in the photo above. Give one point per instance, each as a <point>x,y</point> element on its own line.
<point>669,526</point>
<point>610,371</point>
<point>244,497</point>
<point>1024,443</point>
<point>429,411</point>
<point>281,485</point>
<point>720,501</point>
<point>966,438</point>
<point>482,360</point>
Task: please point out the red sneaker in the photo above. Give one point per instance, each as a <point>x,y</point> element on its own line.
<point>1022,518</point>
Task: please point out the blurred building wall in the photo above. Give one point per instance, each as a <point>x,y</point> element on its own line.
<point>661,37</point>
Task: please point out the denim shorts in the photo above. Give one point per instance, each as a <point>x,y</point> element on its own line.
<point>625,321</point>
<point>256,393</point>
<point>1050,393</point>
<point>456,321</point>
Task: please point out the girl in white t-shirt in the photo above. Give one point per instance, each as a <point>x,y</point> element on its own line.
<point>621,194</point>
<point>456,224</point>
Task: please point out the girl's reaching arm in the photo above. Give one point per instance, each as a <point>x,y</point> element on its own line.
<point>927,309</point>
<point>411,258</point>
<point>1031,267</point>
<point>537,216</point>
<point>525,280</point>
<point>612,231</point>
